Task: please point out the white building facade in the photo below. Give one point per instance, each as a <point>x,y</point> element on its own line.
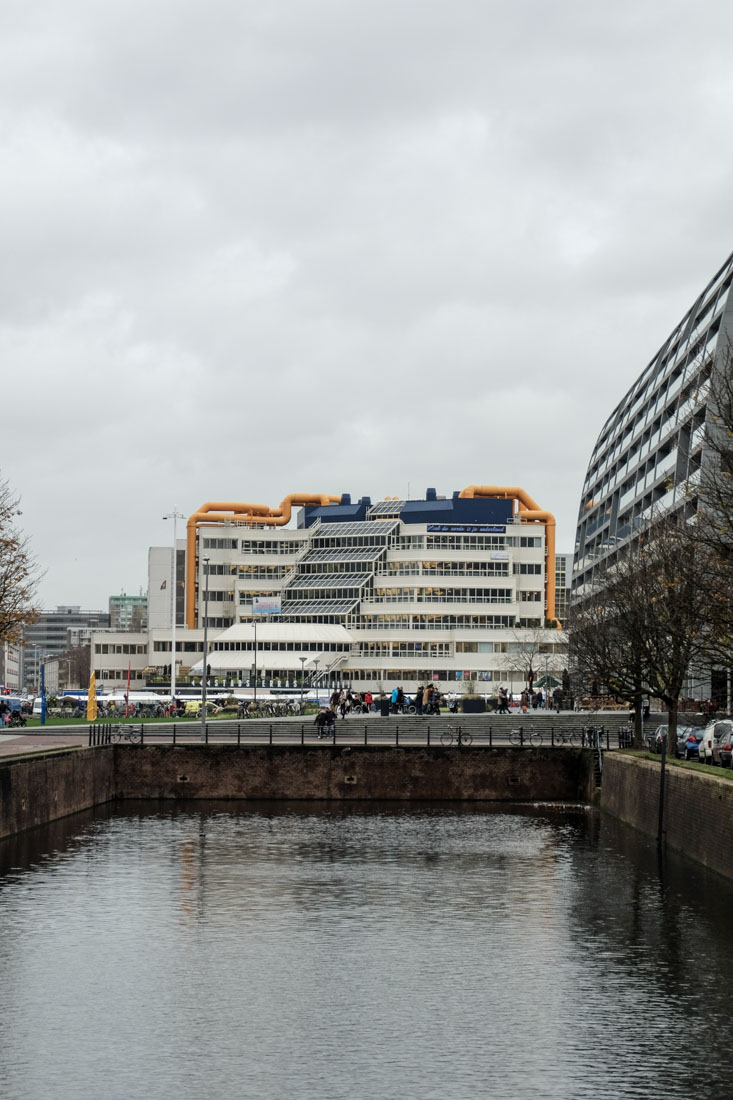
<point>454,592</point>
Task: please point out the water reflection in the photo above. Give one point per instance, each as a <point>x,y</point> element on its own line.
<point>356,951</point>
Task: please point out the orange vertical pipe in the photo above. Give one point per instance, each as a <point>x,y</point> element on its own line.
<point>529,510</point>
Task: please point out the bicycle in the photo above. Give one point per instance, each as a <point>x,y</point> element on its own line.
<point>522,735</point>
<point>564,738</point>
<point>461,736</point>
<point>131,734</point>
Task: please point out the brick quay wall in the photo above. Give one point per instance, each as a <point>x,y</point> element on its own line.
<point>40,789</point>
<point>698,806</point>
<point>35,790</point>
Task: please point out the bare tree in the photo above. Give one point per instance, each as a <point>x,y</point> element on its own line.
<point>710,487</point>
<point>77,662</point>
<point>650,625</point>
<point>531,652</point>
<point>19,572</point>
<point>605,645</point>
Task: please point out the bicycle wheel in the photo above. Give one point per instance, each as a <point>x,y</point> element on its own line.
<point>515,737</point>
<point>133,735</point>
<point>115,734</point>
<point>535,739</point>
<point>573,738</point>
<point>466,738</point>
<point>446,738</point>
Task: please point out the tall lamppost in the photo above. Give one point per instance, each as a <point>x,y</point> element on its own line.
<point>302,679</point>
<point>174,515</point>
<point>204,677</point>
<point>67,662</point>
<point>254,624</point>
<point>43,691</point>
<point>315,678</point>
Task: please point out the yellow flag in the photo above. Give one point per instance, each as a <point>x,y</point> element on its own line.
<point>92,699</point>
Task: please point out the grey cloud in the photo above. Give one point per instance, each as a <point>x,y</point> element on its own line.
<point>260,248</point>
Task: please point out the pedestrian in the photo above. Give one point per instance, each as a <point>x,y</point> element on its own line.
<point>503,707</point>
<point>419,694</point>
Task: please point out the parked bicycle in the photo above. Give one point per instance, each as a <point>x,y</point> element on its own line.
<point>459,735</point>
<point>131,734</point>
<point>565,737</point>
<point>524,735</point>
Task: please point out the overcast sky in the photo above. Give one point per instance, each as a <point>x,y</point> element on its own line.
<point>320,245</point>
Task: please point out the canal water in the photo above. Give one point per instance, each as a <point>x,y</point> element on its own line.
<point>276,951</point>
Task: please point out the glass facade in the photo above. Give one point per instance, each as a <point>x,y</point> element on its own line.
<point>649,452</point>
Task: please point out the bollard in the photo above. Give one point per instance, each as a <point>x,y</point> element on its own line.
<point>174,733</point>
<point>239,733</point>
<point>366,733</point>
<point>302,734</point>
<point>428,735</point>
<point>270,732</point>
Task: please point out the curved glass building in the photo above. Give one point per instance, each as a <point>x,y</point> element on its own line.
<point>650,450</point>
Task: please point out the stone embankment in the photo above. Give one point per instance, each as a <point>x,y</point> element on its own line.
<point>36,790</point>
<point>698,806</point>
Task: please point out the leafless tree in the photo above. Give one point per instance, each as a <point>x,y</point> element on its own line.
<point>531,653</point>
<point>650,624</point>
<point>19,572</point>
<point>76,662</point>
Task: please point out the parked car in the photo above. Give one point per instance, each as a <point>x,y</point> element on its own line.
<point>723,743</point>
<point>707,740</point>
<point>655,738</point>
<point>688,742</point>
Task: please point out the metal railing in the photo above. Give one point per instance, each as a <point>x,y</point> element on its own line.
<point>355,731</point>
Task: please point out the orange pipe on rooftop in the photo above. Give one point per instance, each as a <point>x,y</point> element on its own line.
<point>529,510</point>
<point>226,511</point>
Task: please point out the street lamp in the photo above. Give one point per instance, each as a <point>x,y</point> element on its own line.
<point>302,679</point>
<point>254,698</point>
<point>43,691</point>
<point>174,515</point>
<point>206,650</point>
<point>315,678</point>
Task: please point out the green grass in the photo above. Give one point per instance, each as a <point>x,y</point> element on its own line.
<point>673,762</point>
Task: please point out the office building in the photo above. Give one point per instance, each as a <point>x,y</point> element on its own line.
<point>49,635</point>
<point>649,453</point>
<point>453,591</point>
<point>128,612</point>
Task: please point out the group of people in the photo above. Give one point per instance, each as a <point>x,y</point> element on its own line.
<point>542,700</point>
<point>426,701</point>
<point>346,701</point>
